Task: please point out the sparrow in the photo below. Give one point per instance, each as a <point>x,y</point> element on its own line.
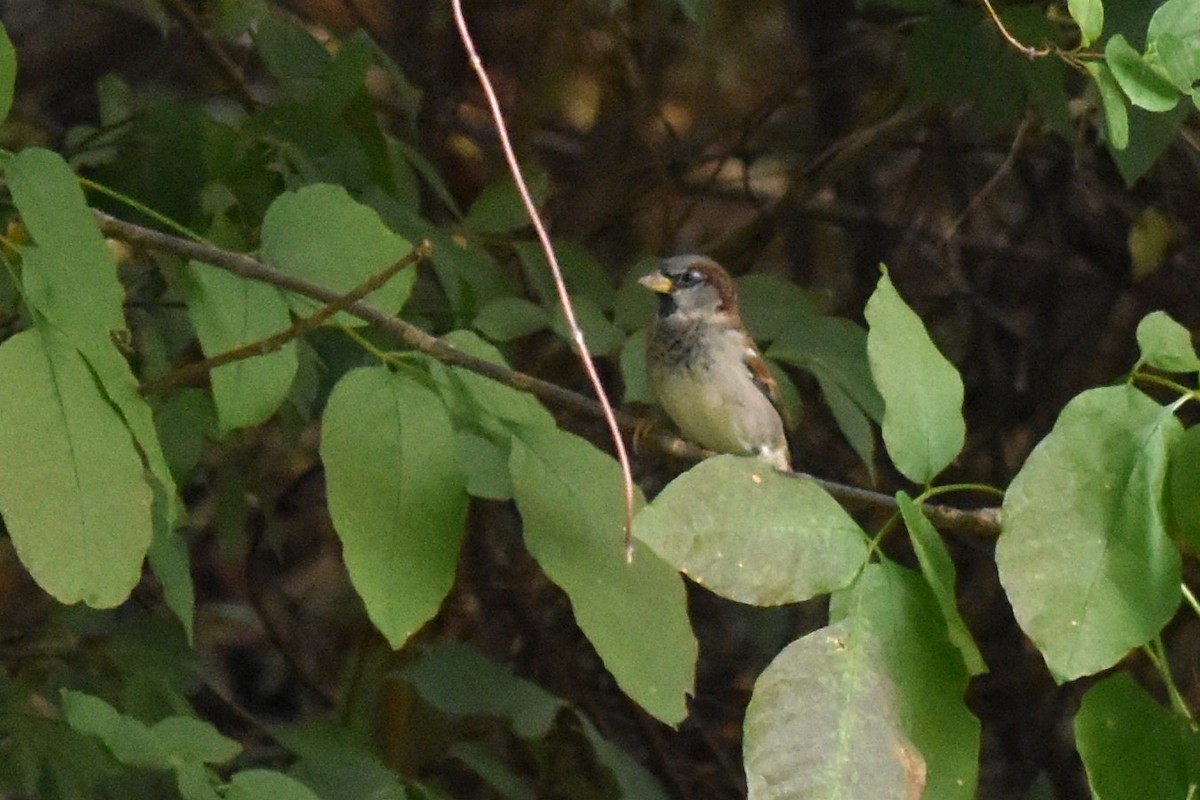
<point>705,369</point>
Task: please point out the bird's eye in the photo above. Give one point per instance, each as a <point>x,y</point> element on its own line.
<point>689,278</point>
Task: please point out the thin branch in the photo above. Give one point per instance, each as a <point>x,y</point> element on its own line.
<point>191,373</point>
<point>1029,52</point>
<point>564,297</point>
<point>1004,168</point>
<point>980,523</point>
<point>212,48</point>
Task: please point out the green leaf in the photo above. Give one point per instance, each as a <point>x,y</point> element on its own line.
<point>498,209</point>
<point>1112,100</point>
<point>321,234</point>
<point>457,679</point>
<point>256,784</point>
<point>602,337</point>
<point>834,350</point>
<point>191,739</point>
<point>1146,86</point>
<point>508,318</point>
<point>633,369</point>
<point>898,608</point>
<point>129,740</point>
<point>955,57</point>
<point>570,499</point>
<point>229,312</point>
<point>169,560</point>
<point>71,280</point>
<point>770,306</point>
<point>484,464</point>
<point>1183,488</point>
<point>8,73</point>
<point>1083,553</point>
<point>1132,748</point>
<point>339,765</point>
<point>482,402</point>
<point>752,534</point>
<point>397,498</point>
<point>1149,137</point>
<point>581,271</point>
<point>852,421</point>
<point>288,51</point>
<point>1165,344</point>
<point>195,781</point>
<point>1089,16</point>
<point>823,722</point>
<point>1173,39</point>
<point>72,488</point>
<point>1178,58</point>
<point>923,425</point>
<point>184,421</point>
<point>939,572</point>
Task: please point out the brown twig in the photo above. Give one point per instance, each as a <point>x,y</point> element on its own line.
<point>1029,52</point>
<point>564,297</point>
<point>981,523</point>
<point>191,373</point>
<point>1004,168</point>
<point>226,65</point>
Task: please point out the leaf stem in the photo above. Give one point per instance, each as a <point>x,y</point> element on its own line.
<point>1190,598</point>
<point>126,200</point>
<point>935,491</point>
<point>1157,654</point>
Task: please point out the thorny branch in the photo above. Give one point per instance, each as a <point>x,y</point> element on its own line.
<point>977,523</point>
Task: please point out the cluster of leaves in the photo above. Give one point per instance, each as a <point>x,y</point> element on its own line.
<point>311,182</point>
<point>1142,58</point>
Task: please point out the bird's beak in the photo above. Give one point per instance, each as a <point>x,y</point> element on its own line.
<point>657,282</point>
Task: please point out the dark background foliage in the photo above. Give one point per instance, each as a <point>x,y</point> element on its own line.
<point>799,139</point>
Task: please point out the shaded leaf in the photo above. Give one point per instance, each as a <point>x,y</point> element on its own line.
<point>923,425</point>
<point>749,533</point>
<point>498,208</point>
<point>191,739</point>
<point>8,73</point>
<point>1132,748</point>
<point>129,740</point>
<point>822,722</point>
<point>570,499</point>
<point>396,496</point>
<point>256,784</point>
<point>898,608</point>
<point>582,273</point>
<point>1183,495</point>
<point>1083,554</point>
<point>1150,134</point>
<point>487,404</point>
<point>508,318</point>
<point>939,572</point>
